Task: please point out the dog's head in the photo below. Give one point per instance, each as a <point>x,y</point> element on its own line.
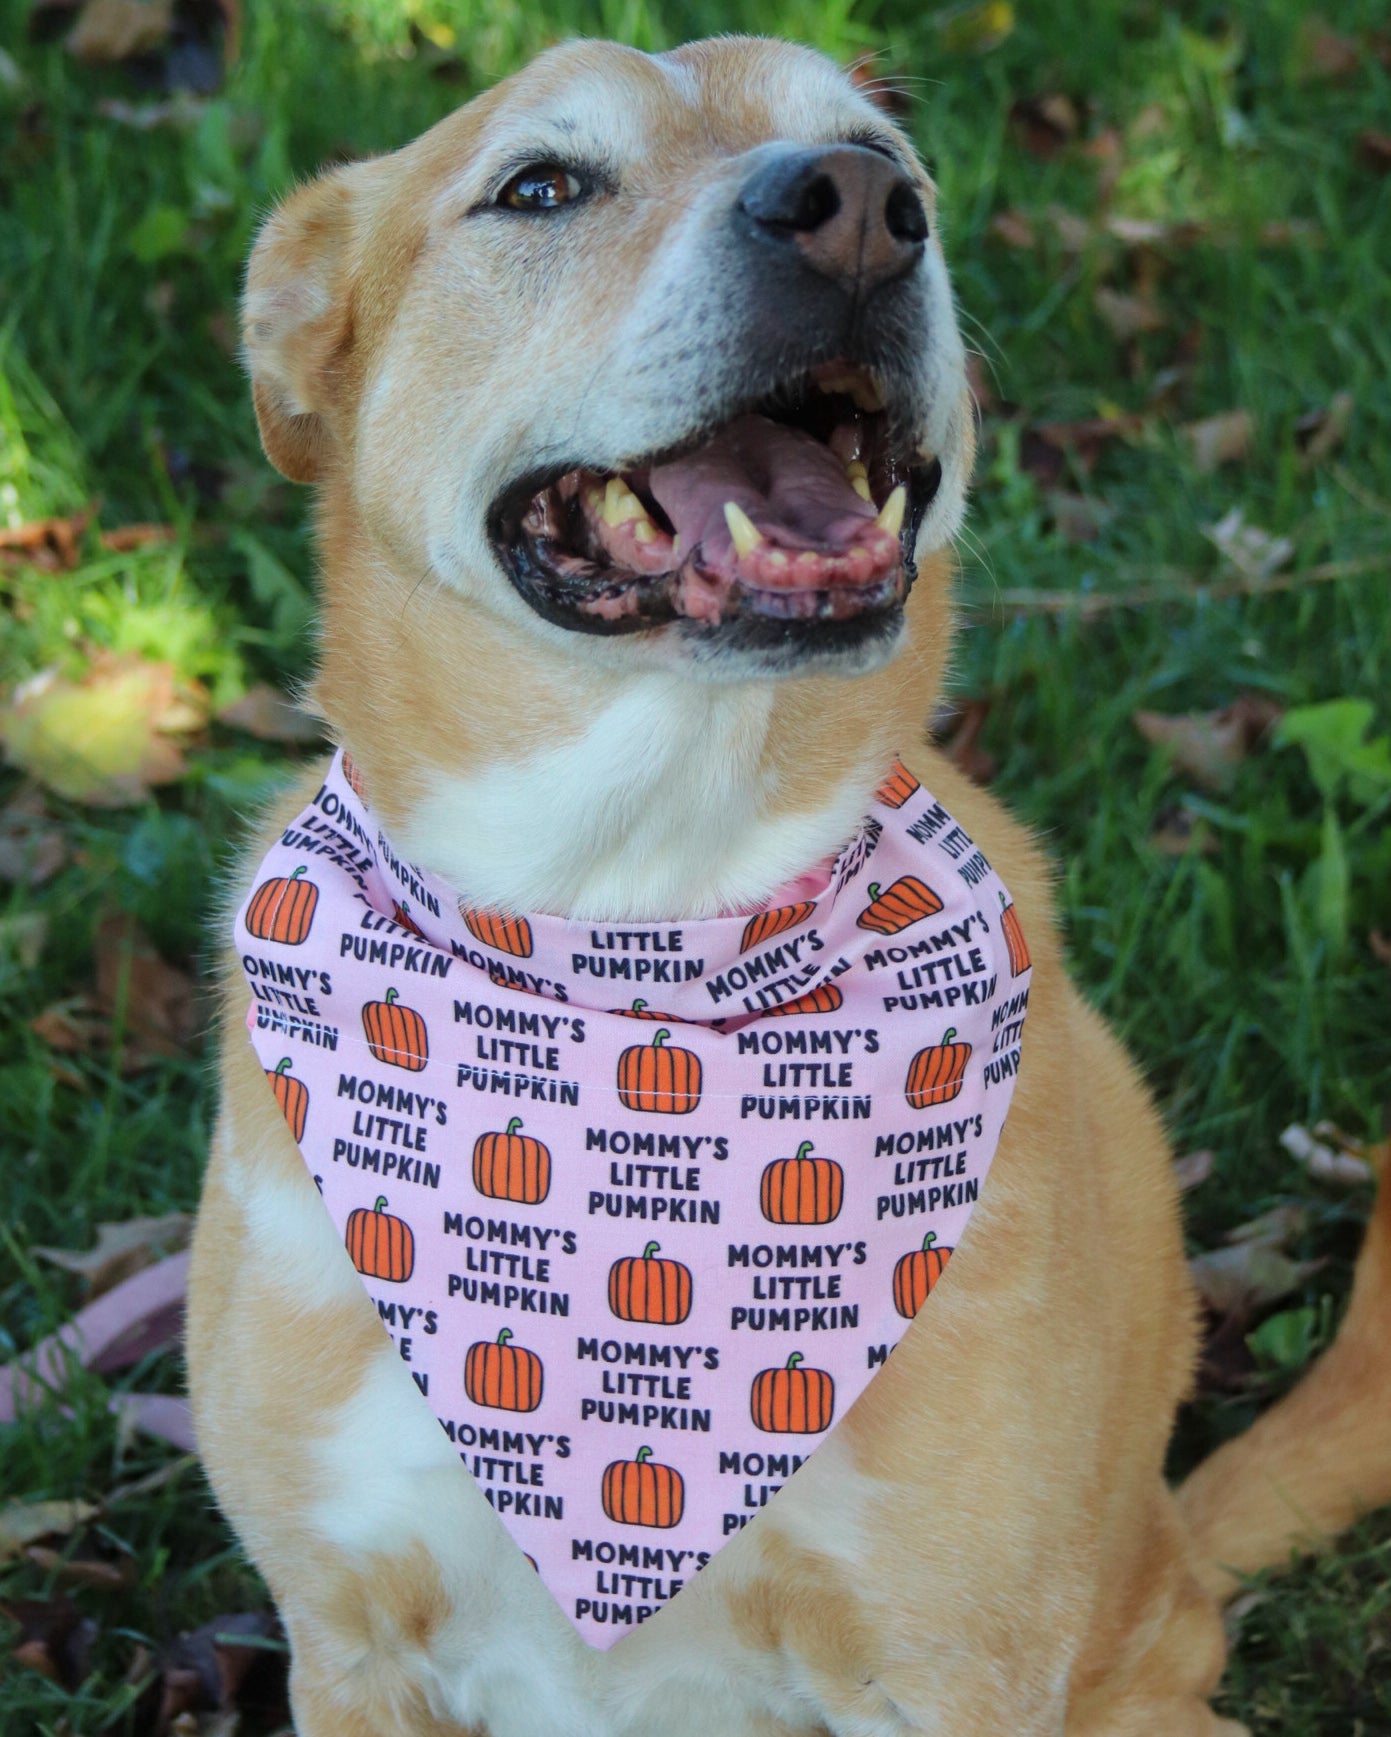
<point>657,350</point>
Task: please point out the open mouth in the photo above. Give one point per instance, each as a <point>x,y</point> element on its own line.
<point>803,508</point>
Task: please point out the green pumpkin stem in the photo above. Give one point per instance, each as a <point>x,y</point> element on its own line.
<point>650,1250</point>
<point>874,889</point>
<point>950,1035</point>
<point>794,1360</point>
<point>298,872</point>
<point>644,1453</point>
<point>283,1067</point>
<point>391,995</point>
<point>514,1124</point>
<point>504,1335</point>
<point>380,1205</point>
<point>804,1148</point>
<point>638,1005</point>
<point>660,1038</point>
<point>928,1240</point>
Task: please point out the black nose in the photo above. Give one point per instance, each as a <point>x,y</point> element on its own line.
<point>850,213</point>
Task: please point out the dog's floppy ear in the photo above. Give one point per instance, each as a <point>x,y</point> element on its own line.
<point>297,321</point>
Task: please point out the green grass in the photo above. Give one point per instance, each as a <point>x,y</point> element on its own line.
<point>1241,976</point>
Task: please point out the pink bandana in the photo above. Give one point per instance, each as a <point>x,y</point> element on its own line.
<point>643,1207</point>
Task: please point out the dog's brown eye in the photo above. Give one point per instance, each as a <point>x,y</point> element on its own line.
<point>540,187</point>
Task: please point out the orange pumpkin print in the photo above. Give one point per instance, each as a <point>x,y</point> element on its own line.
<point>907,901</point>
<point>352,774</point>
<point>897,787</point>
<point>282,909</point>
<point>766,924</point>
<point>824,999</point>
<point>641,1492</point>
<point>640,1010</point>
<point>802,1190</point>
<point>401,916</point>
<point>396,1033</point>
<point>658,1080</point>
<point>1019,960</point>
<point>381,1245</point>
<point>793,1400</point>
<point>508,934</point>
<point>643,1288</point>
<point>292,1095</point>
<point>936,1075</point>
<point>505,1377</point>
<point>916,1273</point>
<point>512,1166</point>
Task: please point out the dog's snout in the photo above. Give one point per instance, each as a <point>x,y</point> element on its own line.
<point>849,213</point>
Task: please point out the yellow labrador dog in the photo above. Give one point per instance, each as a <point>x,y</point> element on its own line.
<point>479,349</point>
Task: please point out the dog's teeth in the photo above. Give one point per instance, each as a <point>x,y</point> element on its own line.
<point>891,514</point>
<point>745,533</point>
<point>859,479</point>
<point>866,394</point>
<point>621,505</point>
<point>644,531</point>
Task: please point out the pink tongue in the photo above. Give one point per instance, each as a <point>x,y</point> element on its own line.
<point>793,488</point>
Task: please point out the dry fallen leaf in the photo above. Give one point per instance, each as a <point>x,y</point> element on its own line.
<point>1218,440</point>
<point>1323,53</point>
<point>108,30</point>
<point>123,1249</point>
<point>1045,125</point>
<point>107,738</point>
<point>1209,746</point>
<point>82,1570</point>
<point>1380,945</point>
<point>1013,228</point>
<point>55,1639</point>
<point>163,1012</point>
<point>1126,317</point>
<point>1321,432</point>
<point>1192,1170</point>
<point>1247,1277</point>
<point>265,712</point>
<point>1254,552</point>
<point>1077,518</point>
<point>52,544</point>
<point>24,1523</point>
<point>1328,1155</point>
<point>126,538</point>
<point>1178,831</point>
<point>32,847</point>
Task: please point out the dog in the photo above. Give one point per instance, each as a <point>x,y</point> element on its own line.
<point>635,405</point>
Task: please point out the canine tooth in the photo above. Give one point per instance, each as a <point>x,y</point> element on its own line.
<point>745,533</point>
<point>866,394</point>
<point>859,479</point>
<point>644,531</point>
<point>891,514</point>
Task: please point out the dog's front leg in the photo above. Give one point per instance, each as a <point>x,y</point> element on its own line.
<point>410,1611</point>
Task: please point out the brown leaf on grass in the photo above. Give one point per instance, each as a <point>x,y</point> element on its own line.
<point>87,1571</point>
<point>1380,945</point>
<point>125,539</point>
<point>32,846</point>
<point>1045,125</point>
<point>1046,447</point>
<point>957,727</point>
<point>123,1249</point>
<point>162,1006</point>
<point>1329,1155</point>
<point>1252,551</point>
<point>1374,151</point>
<point>111,30</point>
<point>1126,317</point>
<point>25,1523</point>
<point>1323,53</point>
<point>72,1027</point>
<point>1209,746</point>
<point>54,545</point>
<point>265,712</point>
<point>1193,1169</point>
<point>1218,440</point>
<point>106,738</point>
<point>1246,1277</point>
<point>1075,234</point>
<point>1077,518</point>
<point>55,1639</point>
<point>1014,229</point>
<point>1319,433</point>
<point>233,1663</point>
